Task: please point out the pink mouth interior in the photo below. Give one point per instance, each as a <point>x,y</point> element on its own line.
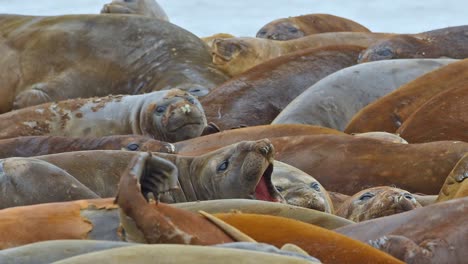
<point>262,193</point>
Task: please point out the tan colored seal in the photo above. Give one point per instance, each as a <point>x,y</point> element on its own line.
<point>170,115</point>
<point>149,8</point>
<point>377,202</point>
<point>300,26</point>
<point>384,136</point>
<point>210,39</point>
<point>456,184</point>
<point>236,55</point>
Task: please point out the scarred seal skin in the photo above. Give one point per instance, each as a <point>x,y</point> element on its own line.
<point>236,55</point>
<point>300,26</point>
<point>29,146</point>
<point>334,159</point>
<point>445,42</point>
<point>432,234</point>
<point>333,101</point>
<point>258,95</point>
<point>390,111</point>
<point>377,202</point>
<point>328,246</point>
<point>149,8</point>
<point>97,55</point>
<point>170,115</point>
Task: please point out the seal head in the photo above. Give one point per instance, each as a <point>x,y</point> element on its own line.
<point>281,29</point>
<point>377,202</point>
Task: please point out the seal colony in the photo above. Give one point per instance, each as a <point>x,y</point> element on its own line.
<point>104,136</point>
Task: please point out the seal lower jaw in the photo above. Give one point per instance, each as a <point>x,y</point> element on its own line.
<point>265,190</point>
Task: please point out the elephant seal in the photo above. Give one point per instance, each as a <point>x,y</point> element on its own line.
<point>442,117</point>
<point>224,138</point>
<point>236,55</point>
<point>326,245</point>
<point>148,8</point>
<point>300,26</point>
<point>432,234</point>
<point>445,42</point>
<point>170,115</point>
<point>258,95</point>
<point>49,251</point>
<point>333,101</point>
<point>242,170</point>
<point>175,254</point>
<point>377,202</point>
<point>300,189</point>
<point>44,145</point>
<point>210,39</point>
<point>97,55</point>
<point>456,185</point>
<point>389,112</point>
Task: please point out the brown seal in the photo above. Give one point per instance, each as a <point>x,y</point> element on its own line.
<point>210,39</point>
<point>390,111</point>
<point>432,234</point>
<point>149,8</point>
<point>300,189</point>
<point>97,55</point>
<point>44,145</point>
<point>456,184</point>
<point>236,55</point>
<point>332,159</point>
<point>384,136</point>
<point>300,26</point>
<point>445,42</point>
<point>224,138</point>
<point>258,95</point>
<point>328,246</point>
<point>442,117</point>
<point>170,115</point>
<point>377,202</point>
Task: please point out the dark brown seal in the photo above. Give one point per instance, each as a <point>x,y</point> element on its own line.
<point>300,26</point>
<point>432,234</point>
<point>445,42</point>
<point>390,111</point>
<point>149,8</point>
<point>170,115</point>
<point>258,95</point>
<point>377,202</point>
<point>44,145</point>
<point>96,55</point>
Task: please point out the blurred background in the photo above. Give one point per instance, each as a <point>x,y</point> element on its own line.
<point>246,17</point>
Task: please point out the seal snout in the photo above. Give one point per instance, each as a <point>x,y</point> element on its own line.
<point>265,148</point>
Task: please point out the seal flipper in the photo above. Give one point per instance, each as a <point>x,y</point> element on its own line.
<point>404,248</point>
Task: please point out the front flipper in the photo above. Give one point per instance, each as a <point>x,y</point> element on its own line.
<point>456,184</point>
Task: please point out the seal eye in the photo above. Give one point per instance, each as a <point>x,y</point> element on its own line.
<point>279,188</point>
<point>315,186</point>
<point>293,30</point>
<point>385,52</point>
<point>160,109</point>
<point>133,146</point>
<point>223,166</point>
<point>366,196</point>
<point>408,196</point>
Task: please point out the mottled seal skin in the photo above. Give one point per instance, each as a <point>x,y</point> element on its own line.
<point>97,55</point>
<point>148,8</point>
<point>175,254</point>
<point>443,117</point>
<point>445,42</point>
<point>300,26</point>
<point>170,115</point>
<point>333,101</point>
<point>44,145</point>
<point>300,189</point>
<point>389,112</point>
<point>258,95</point>
<point>155,223</point>
<point>224,138</point>
<point>456,185</point>
<point>236,55</point>
<point>377,202</point>
<point>326,245</point>
<point>432,234</point>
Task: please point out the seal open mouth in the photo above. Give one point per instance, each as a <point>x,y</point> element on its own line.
<point>265,190</point>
